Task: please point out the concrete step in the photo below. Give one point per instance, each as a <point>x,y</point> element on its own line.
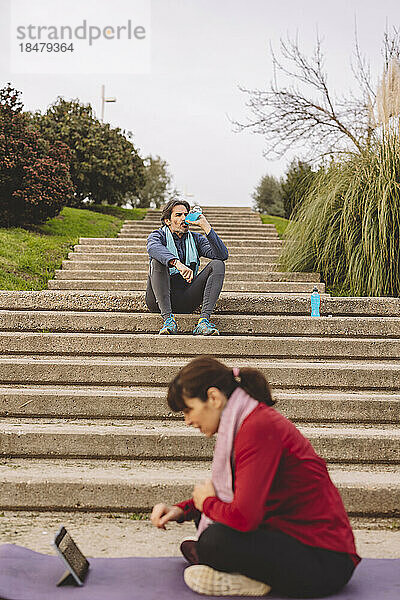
<point>132,486</point>
<point>140,254</point>
<point>114,254</point>
<point>219,210</point>
<point>173,440</point>
<point>110,370</point>
<point>227,217</point>
<point>226,212</point>
<point>256,253</point>
<point>135,270</point>
<point>143,322</point>
<point>125,262</point>
<point>244,221</point>
<point>226,237</point>
<point>122,344</point>
<point>259,248</point>
<point>140,285</point>
<point>234,303</point>
<point>213,207</point>
<point>231,214</point>
<point>90,262</point>
<point>241,230</point>
<point>133,402</point>
<point>140,241</point>
<point>94,439</point>
<point>256,273</point>
<point>238,223</point>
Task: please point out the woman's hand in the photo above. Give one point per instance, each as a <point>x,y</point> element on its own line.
<point>201,492</point>
<point>185,271</point>
<point>162,513</point>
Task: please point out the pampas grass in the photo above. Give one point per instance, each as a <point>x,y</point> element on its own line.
<point>388,94</point>
<point>348,225</point>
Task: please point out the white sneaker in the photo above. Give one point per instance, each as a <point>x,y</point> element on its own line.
<point>205,580</point>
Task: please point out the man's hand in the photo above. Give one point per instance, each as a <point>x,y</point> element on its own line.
<point>162,513</point>
<point>201,492</point>
<point>185,271</point>
<point>203,223</point>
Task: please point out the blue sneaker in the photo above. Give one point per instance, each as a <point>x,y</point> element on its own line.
<point>204,327</point>
<point>169,327</point>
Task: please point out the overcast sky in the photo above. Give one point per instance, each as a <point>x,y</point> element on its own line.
<point>200,51</point>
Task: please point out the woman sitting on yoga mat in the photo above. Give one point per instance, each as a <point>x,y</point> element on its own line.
<point>271,516</point>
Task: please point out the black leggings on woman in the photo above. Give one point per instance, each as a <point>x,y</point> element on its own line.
<point>287,565</point>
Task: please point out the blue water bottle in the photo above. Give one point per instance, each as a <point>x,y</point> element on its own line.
<point>194,214</point>
<point>315,303</point>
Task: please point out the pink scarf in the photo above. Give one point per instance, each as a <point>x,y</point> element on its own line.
<point>238,407</point>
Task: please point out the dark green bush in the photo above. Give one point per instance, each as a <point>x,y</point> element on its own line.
<point>34,174</point>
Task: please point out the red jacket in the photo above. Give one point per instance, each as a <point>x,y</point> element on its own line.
<point>282,484</point>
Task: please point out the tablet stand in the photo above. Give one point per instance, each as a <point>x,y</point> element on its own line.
<point>67,579</point>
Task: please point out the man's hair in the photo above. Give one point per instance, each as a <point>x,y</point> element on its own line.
<point>167,210</point>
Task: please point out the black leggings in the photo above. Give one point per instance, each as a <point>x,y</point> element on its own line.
<point>204,290</point>
<point>288,566</point>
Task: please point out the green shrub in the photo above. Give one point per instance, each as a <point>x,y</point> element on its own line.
<point>348,227</point>
<point>104,163</point>
<point>157,187</point>
<point>34,174</point>
<point>298,178</point>
<point>268,196</point>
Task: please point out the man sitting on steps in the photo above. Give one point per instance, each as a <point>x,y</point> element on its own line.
<point>174,284</point>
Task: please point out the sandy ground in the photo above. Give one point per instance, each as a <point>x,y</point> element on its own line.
<point>125,535</point>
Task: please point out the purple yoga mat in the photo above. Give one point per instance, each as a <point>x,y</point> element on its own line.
<point>28,575</point>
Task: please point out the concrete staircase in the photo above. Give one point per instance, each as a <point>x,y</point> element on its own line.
<point>83,374</point>
<point>122,263</point>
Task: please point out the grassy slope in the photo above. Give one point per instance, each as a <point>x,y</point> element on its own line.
<point>118,211</point>
<point>279,222</point>
<point>28,258</point>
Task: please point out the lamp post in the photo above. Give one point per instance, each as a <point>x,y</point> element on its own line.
<point>187,195</point>
<point>104,100</point>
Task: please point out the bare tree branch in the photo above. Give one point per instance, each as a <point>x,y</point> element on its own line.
<point>306,112</point>
<point>361,69</point>
<point>391,46</point>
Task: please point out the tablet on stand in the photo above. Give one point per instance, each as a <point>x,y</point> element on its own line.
<point>76,563</point>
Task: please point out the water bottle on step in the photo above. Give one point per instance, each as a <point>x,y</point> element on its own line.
<point>315,303</point>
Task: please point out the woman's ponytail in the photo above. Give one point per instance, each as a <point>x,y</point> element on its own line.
<point>254,383</point>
